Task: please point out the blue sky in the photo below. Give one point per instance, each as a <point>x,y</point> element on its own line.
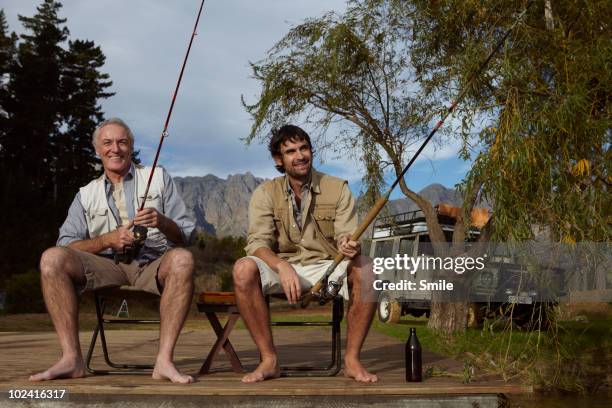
<point>145,41</point>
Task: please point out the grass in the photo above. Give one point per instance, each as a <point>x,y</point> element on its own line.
<point>574,356</point>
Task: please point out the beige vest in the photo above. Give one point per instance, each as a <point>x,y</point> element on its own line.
<point>100,219</point>
<point>318,233</point>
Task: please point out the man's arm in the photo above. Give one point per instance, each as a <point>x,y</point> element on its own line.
<point>174,222</point>
<point>345,224</point>
<point>261,239</point>
<point>74,232</point>
<point>151,218</point>
<point>116,240</point>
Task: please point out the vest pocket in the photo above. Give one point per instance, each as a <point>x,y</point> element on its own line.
<point>98,221</point>
<point>153,201</point>
<point>325,220</point>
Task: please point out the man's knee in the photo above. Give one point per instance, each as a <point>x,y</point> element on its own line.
<point>360,269</point>
<point>245,273</point>
<point>54,261</point>
<point>179,262</point>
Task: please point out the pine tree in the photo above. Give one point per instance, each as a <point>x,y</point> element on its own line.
<point>83,86</point>
<point>35,106</point>
<point>7,60</point>
<point>50,97</point>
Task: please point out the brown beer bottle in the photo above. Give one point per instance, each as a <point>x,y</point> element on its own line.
<point>414,366</point>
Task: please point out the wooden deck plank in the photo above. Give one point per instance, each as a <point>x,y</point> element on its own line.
<point>24,353</point>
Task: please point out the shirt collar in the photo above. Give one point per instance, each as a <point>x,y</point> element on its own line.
<point>289,190</point>
<point>128,176</point>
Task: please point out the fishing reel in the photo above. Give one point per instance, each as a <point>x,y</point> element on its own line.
<point>130,253</point>
<point>328,291</point>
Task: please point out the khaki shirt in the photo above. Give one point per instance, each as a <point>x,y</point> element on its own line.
<point>329,213</point>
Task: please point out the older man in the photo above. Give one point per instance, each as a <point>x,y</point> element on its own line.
<point>297,224</point>
<point>99,224</point>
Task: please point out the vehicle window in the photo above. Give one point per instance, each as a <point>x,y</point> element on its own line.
<point>383,249</point>
<point>406,246</point>
<point>425,246</point>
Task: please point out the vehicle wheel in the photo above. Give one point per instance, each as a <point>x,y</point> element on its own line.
<point>389,310</point>
<point>474,315</point>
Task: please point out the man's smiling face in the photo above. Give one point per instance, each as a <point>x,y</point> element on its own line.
<point>114,147</point>
<point>296,158</point>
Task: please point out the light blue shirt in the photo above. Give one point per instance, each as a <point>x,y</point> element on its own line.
<point>75,228</point>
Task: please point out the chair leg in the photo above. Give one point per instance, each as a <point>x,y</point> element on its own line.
<point>92,345</point>
<point>336,348</point>
<point>337,314</point>
<point>136,368</point>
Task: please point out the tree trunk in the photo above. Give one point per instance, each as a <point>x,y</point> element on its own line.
<point>448,317</point>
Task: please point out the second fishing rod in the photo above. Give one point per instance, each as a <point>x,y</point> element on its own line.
<point>325,290</point>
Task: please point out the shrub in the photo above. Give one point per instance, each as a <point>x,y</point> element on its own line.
<point>23,293</point>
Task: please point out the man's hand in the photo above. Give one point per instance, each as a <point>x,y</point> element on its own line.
<point>150,218</point>
<point>348,248</point>
<point>289,281</point>
<point>119,238</point>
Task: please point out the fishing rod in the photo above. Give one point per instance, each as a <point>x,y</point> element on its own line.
<point>140,232</point>
<point>325,290</point>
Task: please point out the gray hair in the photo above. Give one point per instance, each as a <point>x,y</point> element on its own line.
<point>112,121</point>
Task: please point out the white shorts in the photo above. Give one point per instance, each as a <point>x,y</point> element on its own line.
<point>308,274</point>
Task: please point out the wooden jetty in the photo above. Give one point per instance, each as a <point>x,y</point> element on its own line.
<point>24,353</point>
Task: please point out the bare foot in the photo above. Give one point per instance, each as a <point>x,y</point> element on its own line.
<point>267,369</point>
<point>166,370</point>
<point>354,369</point>
<point>66,367</point>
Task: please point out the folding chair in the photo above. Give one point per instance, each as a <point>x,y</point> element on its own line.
<point>100,298</point>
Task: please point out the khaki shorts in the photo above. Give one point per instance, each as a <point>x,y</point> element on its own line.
<point>308,274</point>
<point>102,272</point>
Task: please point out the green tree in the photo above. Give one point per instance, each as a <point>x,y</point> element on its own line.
<point>33,119</point>
<point>381,72</point>
<point>74,161</point>
<point>354,71</point>
<point>50,106</point>
<point>544,157</point>
<point>35,106</point>
<point>8,52</point>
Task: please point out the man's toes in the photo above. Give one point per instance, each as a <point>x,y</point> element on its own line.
<point>252,377</point>
<point>38,377</point>
<point>183,379</point>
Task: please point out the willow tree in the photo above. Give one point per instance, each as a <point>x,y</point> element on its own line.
<point>544,157</point>
<point>379,71</point>
<point>353,72</point>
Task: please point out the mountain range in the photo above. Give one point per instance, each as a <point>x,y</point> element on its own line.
<point>220,206</point>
